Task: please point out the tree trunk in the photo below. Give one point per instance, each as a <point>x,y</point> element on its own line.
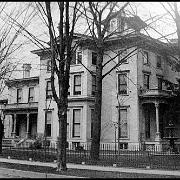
<point>96,132</point>
<point>62,139</point>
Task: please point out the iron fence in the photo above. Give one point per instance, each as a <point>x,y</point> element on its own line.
<point>143,158</point>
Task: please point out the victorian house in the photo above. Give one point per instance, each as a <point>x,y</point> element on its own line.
<point>135,95</point>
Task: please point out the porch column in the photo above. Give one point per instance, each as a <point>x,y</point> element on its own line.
<point>27,132</point>
<point>157,138</point>
<point>14,126</point>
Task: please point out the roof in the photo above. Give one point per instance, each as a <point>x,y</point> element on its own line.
<point>134,22</point>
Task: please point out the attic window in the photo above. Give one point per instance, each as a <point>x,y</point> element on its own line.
<point>113,25</point>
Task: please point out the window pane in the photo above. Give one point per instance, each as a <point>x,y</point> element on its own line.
<point>159,61</point>
<point>77,80</point>
<point>73,61</point>
<point>77,115</point>
<point>77,84</point>
<point>77,130</point>
<point>31,94</point>
<point>77,88</point>
<point>76,122</point>
<point>48,130</point>
<point>145,57</point>
<point>123,123</point>
<point>19,95</point>
<point>48,117</point>
<point>93,84</point>
<point>79,57</point>
<point>146,81</point>
<point>122,83</point>
<point>68,121</point>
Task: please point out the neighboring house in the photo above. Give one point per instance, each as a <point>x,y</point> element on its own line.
<point>21,108</point>
<point>135,95</point>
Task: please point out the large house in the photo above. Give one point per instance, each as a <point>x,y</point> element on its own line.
<point>135,95</point>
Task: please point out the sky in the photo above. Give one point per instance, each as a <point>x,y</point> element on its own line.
<point>37,27</point>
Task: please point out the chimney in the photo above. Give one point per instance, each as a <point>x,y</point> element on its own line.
<point>26,70</point>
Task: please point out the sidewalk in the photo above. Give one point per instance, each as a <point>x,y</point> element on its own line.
<point>98,168</point>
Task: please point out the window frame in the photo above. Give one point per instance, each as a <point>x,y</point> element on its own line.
<point>31,96</point>
<point>160,83</point>
<point>145,58</point>
<point>159,63</point>
<point>93,84</point>
<point>77,85</point>
<point>75,59</point>
<point>19,95</point>
<point>148,84</point>
<point>113,29</point>
<point>120,126</point>
<point>125,74</point>
<point>79,54</point>
<point>93,55</point>
<point>47,124</point>
<point>75,124</point>
<point>48,90</point>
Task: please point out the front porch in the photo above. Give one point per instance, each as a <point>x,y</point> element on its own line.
<point>154,108</point>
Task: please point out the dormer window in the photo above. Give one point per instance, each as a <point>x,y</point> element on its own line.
<point>113,25</point>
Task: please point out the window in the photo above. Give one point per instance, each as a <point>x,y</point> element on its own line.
<point>159,61</point>
<point>94,58</point>
<point>77,84</point>
<point>123,129</point>
<point>121,24</point>
<point>49,65</point>
<point>73,60</point>
<point>122,53</point>
<point>77,57</point>
<point>48,116</point>
<point>160,83</point>
<point>122,83</point>
<point>113,25</point>
<point>19,95</point>
<point>146,81</point>
<point>68,121</point>
<point>31,94</point>
<point>76,122</point>
<point>93,84</point>
<point>92,118</point>
<point>145,57</point>
<point>48,90</point>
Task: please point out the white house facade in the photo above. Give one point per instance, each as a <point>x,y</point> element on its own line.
<point>135,95</point>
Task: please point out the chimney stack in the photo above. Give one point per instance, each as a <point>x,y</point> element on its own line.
<point>26,70</point>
